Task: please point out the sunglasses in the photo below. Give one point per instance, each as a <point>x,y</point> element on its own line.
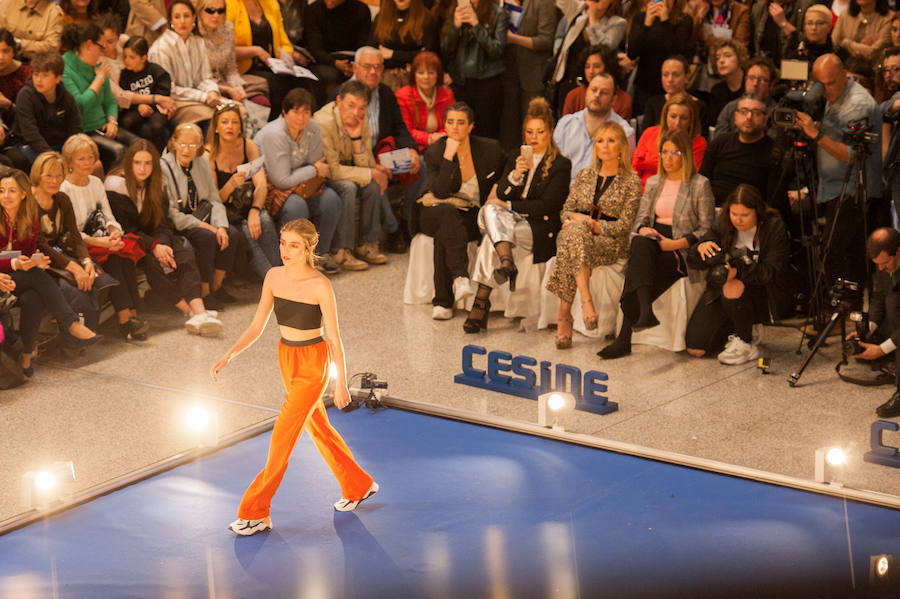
<point>214,11</point>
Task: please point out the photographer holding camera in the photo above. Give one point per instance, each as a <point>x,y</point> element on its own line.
<point>745,255</point>
<point>850,110</point>
<point>883,249</point>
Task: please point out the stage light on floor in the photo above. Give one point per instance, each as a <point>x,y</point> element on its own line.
<point>883,571</point>
<point>828,461</point>
<point>203,426</point>
<point>40,488</point>
<point>551,405</point>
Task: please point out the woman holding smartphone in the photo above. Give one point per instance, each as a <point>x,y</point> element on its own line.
<point>305,309</point>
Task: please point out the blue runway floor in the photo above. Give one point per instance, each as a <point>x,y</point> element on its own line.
<point>463,511</point>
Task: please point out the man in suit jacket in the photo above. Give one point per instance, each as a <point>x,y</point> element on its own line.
<point>528,46</point>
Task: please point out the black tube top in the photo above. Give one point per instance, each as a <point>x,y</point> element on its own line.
<point>297,315</point>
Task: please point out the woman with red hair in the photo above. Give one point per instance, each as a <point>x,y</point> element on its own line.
<point>425,100</point>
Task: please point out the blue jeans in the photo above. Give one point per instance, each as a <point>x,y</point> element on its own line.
<point>371,206</point>
<point>264,251</point>
<point>324,210</point>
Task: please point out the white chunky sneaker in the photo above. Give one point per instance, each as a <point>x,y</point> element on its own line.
<point>204,324</point>
<point>441,313</point>
<point>738,351</point>
<point>245,528</point>
<point>345,505</point>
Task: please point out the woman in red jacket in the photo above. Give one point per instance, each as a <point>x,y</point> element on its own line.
<point>424,102</point>
<point>679,112</point>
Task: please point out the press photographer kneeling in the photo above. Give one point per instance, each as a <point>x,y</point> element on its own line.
<point>883,249</point>
<point>745,253</point>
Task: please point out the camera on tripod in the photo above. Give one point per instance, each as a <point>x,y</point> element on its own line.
<point>809,98</point>
<point>718,263</point>
<point>842,294</point>
<point>860,132</point>
<point>369,392</point>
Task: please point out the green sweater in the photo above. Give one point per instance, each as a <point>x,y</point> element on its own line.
<point>77,78</point>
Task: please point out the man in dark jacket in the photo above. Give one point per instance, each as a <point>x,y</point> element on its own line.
<point>46,113</point>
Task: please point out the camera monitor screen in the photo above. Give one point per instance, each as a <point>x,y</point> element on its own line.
<point>797,70</point>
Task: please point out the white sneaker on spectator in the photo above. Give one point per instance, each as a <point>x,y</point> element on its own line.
<point>348,261</point>
<point>441,313</point>
<point>204,325</point>
<point>462,288</point>
<point>246,528</point>
<point>759,333</point>
<point>737,351</point>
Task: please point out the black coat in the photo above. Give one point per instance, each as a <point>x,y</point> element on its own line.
<point>42,125</point>
<point>543,204</point>
<point>127,215</point>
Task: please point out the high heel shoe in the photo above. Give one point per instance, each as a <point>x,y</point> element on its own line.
<point>78,343</point>
<point>564,341</point>
<point>590,322</point>
<point>506,272</point>
<point>474,324</point>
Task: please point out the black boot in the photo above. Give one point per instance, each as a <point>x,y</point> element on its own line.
<point>621,347</point>
<point>647,318</point>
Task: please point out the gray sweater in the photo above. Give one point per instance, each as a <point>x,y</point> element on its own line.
<point>289,164</point>
<point>177,190</point>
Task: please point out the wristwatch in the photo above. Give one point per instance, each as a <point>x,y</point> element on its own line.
<point>819,136</point>
<point>257,208</point>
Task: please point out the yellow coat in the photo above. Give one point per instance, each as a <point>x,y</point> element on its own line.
<point>237,14</point>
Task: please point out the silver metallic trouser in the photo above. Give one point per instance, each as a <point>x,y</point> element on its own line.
<point>500,224</point>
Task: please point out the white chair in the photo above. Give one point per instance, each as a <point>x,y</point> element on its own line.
<point>607,283</point>
<point>419,285</point>
<point>525,301</point>
<point>673,309</point>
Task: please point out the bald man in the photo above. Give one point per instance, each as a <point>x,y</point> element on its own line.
<point>847,101</point>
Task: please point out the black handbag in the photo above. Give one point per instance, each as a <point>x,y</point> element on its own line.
<point>237,207</point>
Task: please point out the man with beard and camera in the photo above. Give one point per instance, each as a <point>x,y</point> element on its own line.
<point>883,249</point>
<point>849,111</point>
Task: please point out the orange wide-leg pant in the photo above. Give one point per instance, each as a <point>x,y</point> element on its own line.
<point>304,370</point>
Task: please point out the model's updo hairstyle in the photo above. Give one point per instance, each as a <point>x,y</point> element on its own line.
<point>305,229</point>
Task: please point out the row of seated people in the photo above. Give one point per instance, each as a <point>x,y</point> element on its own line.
<point>601,219</point>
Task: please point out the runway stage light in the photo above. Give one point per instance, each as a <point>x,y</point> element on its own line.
<point>40,488</point>
<point>203,426</point>
<point>551,405</point>
<point>828,460</point>
<point>883,571</point>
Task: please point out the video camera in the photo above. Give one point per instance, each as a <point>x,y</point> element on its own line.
<point>808,98</point>
<point>860,132</point>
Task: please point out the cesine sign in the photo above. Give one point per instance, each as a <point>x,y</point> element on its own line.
<point>516,375</point>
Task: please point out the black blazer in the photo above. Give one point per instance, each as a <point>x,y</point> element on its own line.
<point>543,204</point>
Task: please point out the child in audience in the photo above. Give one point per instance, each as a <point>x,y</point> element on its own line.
<point>151,121</point>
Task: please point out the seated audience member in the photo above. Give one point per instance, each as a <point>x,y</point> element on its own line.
<point>741,294</point>
<point>676,211</point>
<point>37,25</point>
<point>151,107</point>
<point>463,169</point>
<point>425,100</point>
<point>674,81</point>
<point>761,76</point>
<point>596,60</point>
<point>89,84</point>
<point>596,24</point>
<point>140,202</point>
<point>773,23</point>
<point>890,110</point>
<point>814,38</point>
<point>147,18</point>
<point>529,45</point>
<point>575,133</point>
<point>77,274</point>
<point>181,52</point>
<point>46,113</point>
<point>292,17</point>
<point>718,19</point>
<point>35,290</point>
<point>744,156</point>
<point>384,116</point>
<point>525,214</point>
<point>297,168</point>
<point>472,44</point>
<point>729,60</point>
<point>860,69</point>
<point>259,35</point>
<point>245,200</point>
<point>680,113</point>
<point>13,76</point>
<point>883,249</point>
<point>400,34</point>
<point>78,11</point>
<point>335,26</point>
<point>596,222</point>
<point>864,29</point>
<point>198,213</point>
<point>353,172</point>
<point>660,31</point>
<point>99,229</point>
<point>218,33</point>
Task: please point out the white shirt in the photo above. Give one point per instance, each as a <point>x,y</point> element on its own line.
<point>87,197</point>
